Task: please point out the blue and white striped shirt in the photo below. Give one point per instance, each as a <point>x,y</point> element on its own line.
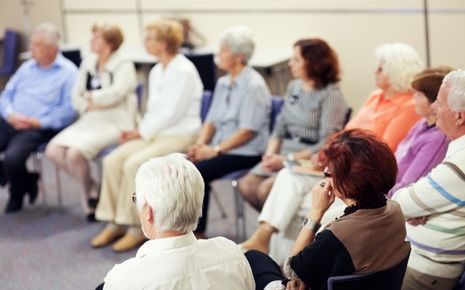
<point>43,93</point>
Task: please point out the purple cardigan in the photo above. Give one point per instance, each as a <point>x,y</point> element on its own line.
<point>423,148</point>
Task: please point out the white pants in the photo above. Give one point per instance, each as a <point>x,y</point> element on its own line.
<point>288,203</point>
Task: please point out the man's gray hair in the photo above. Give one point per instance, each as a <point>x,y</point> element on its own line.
<point>173,187</point>
<point>239,39</point>
<point>49,32</point>
<point>456,82</point>
<point>400,63</point>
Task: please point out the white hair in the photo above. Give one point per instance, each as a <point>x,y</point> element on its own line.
<point>239,39</point>
<point>456,82</point>
<point>173,187</point>
<point>49,32</point>
<point>400,63</point>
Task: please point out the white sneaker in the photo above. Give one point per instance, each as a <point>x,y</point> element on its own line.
<point>275,285</point>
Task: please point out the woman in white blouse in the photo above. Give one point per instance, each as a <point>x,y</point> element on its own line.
<point>170,124</point>
<point>104,97</point>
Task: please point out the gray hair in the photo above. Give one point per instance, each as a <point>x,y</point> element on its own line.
<point>239,39</point>
<point>456,82</point>
<point>401,63</point>
<point>173,187</point>
<point>49,32</point>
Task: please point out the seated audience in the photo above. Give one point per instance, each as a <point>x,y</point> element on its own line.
<point>35,105</point>
<point>434,205</point>
<point>169,194</point>
<point>170,124</point>
<point>235,131</point>
<point>314,109</point>
<point>105,99</point>
<point>352,243</point>
<point>290,196</point>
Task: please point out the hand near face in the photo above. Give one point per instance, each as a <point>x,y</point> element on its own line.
<point>322,196</point>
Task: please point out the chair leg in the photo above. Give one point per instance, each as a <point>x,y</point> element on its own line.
<point>241,230</point>
<point>59,189</point>
<point>38,166</point>
<point>218,203</point>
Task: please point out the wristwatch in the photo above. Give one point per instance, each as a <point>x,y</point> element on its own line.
<point>217,149</point>
<point>311,225</point>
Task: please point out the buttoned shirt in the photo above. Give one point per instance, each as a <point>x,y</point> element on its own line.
<point>244,103</point>
<point>388,118</point>
<point>43,93</point>
<point>184,262</point>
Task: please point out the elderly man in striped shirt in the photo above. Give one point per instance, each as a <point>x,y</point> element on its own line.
<point>434,206</point>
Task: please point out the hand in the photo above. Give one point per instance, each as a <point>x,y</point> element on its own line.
<point>125,136</point>
<point>322,198</point>
<point>191,152</point>
<point>418,221</point>
<point>23,122</point>
<point>204,152</point>
<point>272,162</point>
<point>295,284</point>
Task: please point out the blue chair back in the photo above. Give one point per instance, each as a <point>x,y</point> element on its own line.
<point>277,103</point>
<point>10,52</point>
<point>206,67</point>
<point>390,279</point>
<point>207,99</point>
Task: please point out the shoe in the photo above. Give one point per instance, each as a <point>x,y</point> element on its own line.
<point>33,190</point>
<point>92,202</point>
<point>106,237</point>
<point>128,242</point>
<point>90,218</point>
<point>13,205</point>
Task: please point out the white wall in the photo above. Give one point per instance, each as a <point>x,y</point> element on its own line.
<point>353,27</point>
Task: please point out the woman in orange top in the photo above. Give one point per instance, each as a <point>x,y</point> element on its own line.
<point>390,111</point>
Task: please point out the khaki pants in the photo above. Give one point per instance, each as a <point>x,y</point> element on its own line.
<point>415,280</point>
<point>119,172</point>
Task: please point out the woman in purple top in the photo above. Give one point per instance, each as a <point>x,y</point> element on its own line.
<point>425,145</point>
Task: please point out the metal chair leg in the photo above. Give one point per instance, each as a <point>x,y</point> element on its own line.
<point>241,230</point>
<point>59,189</point>
<point>218,203</point>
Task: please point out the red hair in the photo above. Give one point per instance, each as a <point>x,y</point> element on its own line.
<point>363,167</point>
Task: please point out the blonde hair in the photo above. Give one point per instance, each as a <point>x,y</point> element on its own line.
<point>111,33</point>
<point>169,31</point>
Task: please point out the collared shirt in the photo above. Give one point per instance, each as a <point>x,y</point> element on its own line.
<point>173,105</point>
<point>388,118</point>
<point>311,115</point>
<point>422,149</point>
<point>242,104</point>
<point>43,93</point>
<point>184,262</point>
<point>438,247</point>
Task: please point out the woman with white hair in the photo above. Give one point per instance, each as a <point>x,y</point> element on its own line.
<point>169,195</point>
<point>236,129</point>
<point>104,97</point>
<point>389,112</point>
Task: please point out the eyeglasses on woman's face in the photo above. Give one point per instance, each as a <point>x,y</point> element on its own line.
<point>327,174</point>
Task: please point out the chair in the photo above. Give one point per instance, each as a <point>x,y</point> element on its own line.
<point>390,279</point>
<point>10,52</point>
<point>37,160</point>
<point>74,55</point>
<point>205,65</point>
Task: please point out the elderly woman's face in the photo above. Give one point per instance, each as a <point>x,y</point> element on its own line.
<point>97,43</point>
<point>381,79</point>
<point>153,45</point>
<point>422,105</point>
<point>226,59</point>
<point>297,64</point>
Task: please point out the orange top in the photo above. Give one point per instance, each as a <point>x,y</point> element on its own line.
<point>390,119</point>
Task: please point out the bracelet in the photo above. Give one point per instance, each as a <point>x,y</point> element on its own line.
<point>311,225</point>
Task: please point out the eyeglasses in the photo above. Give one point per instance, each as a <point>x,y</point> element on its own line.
<point>327,174</point>
<point>134,198</point>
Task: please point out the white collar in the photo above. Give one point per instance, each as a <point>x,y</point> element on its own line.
<point>158,245</point>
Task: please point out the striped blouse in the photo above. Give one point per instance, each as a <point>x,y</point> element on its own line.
<point>438,247</point>
<point>310,116</point>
